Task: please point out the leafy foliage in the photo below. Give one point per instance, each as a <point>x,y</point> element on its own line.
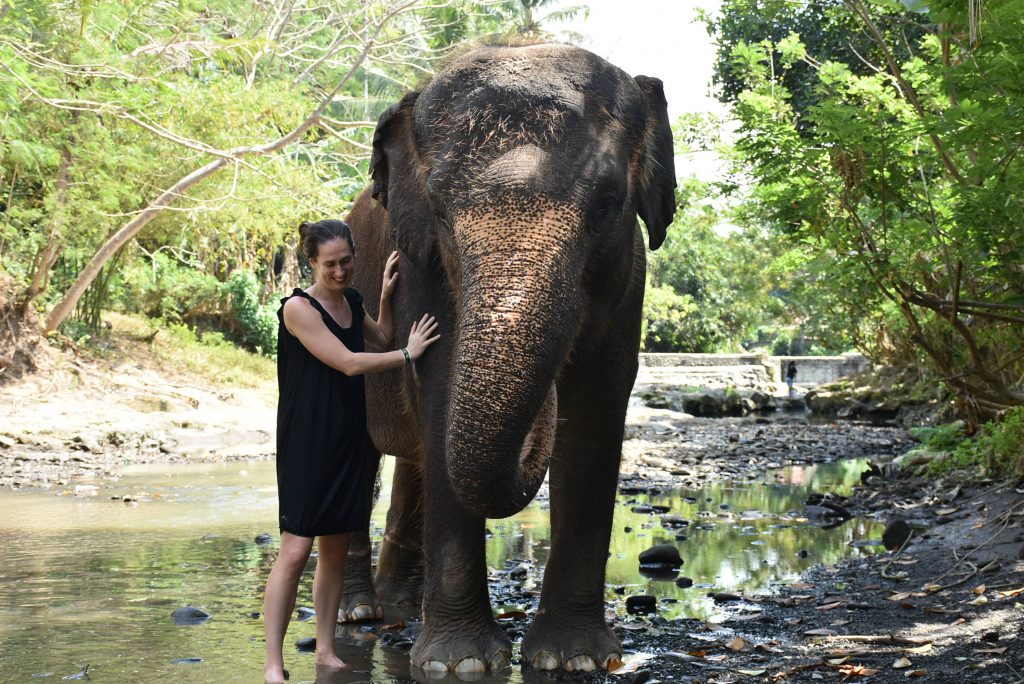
<point>893,186</point>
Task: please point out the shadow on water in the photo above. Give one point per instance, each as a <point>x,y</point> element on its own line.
<point>94,580</point>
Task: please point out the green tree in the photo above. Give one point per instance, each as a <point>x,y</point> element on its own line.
<point>901,182</point>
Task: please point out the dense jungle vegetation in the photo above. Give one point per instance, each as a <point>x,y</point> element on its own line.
<point>156,156</point>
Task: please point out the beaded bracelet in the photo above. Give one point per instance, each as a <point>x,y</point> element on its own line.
<point>405,353</point>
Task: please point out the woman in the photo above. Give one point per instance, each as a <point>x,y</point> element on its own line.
<point>322,441</point>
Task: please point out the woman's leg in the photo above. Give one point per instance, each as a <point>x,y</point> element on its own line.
<point>327,582</point>
<point>279,600</point>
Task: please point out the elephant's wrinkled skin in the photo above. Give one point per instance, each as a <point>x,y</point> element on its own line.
<point>511,185</point>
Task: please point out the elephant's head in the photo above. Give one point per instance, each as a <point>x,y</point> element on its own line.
<point>517,176</point>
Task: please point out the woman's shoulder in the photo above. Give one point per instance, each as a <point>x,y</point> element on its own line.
<point>298,300</point>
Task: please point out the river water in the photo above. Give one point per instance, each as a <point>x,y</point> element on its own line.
<point>92,578</point>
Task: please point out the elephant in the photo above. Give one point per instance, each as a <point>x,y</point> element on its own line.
<point>510,184</point>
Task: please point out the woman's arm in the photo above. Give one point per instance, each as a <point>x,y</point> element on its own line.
<point>380,333</point>
<point>306,323</point>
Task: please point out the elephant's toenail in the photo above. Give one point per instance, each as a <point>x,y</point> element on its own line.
<point>545,661</point>
<point>434,666</point>
<point>362,612</point>
<point>500,661</point>
<point>581,663</point>
<point>470,666</point>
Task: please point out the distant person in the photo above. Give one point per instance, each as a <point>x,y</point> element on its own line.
<point>322,440</point>
<point>791,377</point>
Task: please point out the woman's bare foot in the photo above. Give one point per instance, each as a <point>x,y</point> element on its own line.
<point>329,662</point>
<point>274,675</point>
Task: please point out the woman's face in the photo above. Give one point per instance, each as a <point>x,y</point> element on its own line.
<point>334,264</point>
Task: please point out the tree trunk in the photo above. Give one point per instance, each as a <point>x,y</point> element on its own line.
<point>54,242</point>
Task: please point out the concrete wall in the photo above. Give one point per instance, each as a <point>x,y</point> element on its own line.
<point>811,370</point>
<point>820,370</point>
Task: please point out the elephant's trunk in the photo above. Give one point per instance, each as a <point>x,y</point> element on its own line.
<point>518,315</point>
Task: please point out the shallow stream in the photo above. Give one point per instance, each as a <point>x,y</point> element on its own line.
<point>92,577</point>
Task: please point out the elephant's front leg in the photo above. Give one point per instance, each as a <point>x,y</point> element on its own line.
<point>459,632</point>
<point>570,631</point>
<point>358,599</point>
<point>399,578</point>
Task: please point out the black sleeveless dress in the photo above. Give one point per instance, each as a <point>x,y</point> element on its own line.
<point>322,441</point>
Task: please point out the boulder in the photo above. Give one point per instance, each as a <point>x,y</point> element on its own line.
<point>665,555</point>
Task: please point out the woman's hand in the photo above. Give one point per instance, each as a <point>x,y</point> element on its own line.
<point>387,287</point>
<point>422,336</point>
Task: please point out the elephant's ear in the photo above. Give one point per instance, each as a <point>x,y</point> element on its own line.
<point>657,201</point>
<point>392,142</point>
<point>398,181</point>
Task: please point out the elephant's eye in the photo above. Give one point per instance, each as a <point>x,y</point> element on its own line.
<point>607,207</point>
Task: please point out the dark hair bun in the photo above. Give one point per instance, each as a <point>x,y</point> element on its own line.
<point>312,235</point>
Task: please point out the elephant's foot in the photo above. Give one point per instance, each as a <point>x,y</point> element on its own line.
<point>358,606</point>
<point>399,579</point>
<point>554,643</point>
<point>406,594</point>
<point>467,651</point>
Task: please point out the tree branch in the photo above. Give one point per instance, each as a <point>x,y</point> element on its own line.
<point>131,229</point>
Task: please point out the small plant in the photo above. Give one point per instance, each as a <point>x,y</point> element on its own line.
<point>998,447</point>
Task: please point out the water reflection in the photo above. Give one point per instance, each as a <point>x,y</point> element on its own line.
<point>94,580</point>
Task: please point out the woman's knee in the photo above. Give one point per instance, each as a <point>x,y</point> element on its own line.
<point>294,552</point>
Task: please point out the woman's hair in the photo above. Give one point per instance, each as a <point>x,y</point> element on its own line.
<point>313,234</point>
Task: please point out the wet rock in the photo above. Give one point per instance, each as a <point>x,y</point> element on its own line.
<point>263,539</point>
<point>305,613</point>
<point>896,534</point>
<point>642,508</point>
<point>306,645</point>
<point>684,582</point>
<point>186,661</point>
<point>189,615</point>
<point>725,597</point>
<point>802,553</point>
<point>641,603</point>
<point>666,555</point>
<point>519,572</point>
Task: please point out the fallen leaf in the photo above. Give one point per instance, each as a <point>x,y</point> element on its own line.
<point>932,588</point>
<point>858,670</point>
<point>924,648</point>
<point>400,625</point>
<point>840,623</point>
<point>819,632</point>
<point>901,596</point>
<point>751,673</point>
<point>994,651</point>
<point>947,511</point>
<point>716,658</point>
<point>838,661</point>
<point>915,673</point>
<point>767,648</point>
<point>737,644</point>
<point>979,590</point>
<point>980,601</point>
<point>511,615</point>
<point>906,605</point>
<point>902,664</point>
<point>829,606</point>
<point>1011,593</point>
